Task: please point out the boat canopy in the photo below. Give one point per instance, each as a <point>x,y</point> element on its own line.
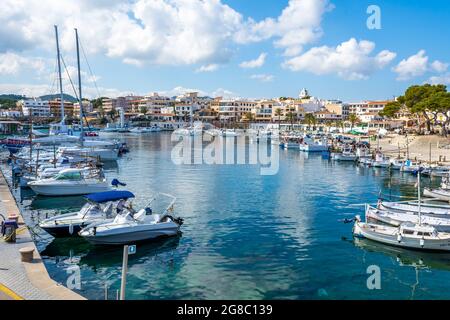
<point>107,196</point>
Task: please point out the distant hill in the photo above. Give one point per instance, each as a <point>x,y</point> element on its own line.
<point>13,97</point>
<point>67,97</point>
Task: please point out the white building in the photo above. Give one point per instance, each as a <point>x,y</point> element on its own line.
<point>36,107</point>
<point>10,114</point>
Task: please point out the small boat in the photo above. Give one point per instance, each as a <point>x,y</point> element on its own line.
<point>397,164</point>
<point>381,161</point>
<point>441,194</point>
<point>291,143</point>
<point>392,218</point>
<point>72,181</point>
<point>104,154</point>
<point>410,235</point>
<point>98,208</point>
<point>310,145</point>
<point>346,155</point>
<point>410,166</point>
<point>413,207</point>
<point>229,133</point>
<point>407,235</point>
<point>130,226</point>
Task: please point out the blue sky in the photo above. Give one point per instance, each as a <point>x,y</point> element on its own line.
<point>122,43</point>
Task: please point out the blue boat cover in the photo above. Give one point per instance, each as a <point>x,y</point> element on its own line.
<point>106,196</point>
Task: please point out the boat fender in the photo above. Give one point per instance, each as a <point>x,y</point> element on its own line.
<point>422,242</point>
<point>399,237</point>
<point>115,182</point>
<point>70,229</point>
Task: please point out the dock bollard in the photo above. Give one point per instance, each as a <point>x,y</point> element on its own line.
<point>26,254</point>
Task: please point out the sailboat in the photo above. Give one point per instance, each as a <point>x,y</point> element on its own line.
<point>407,235</point>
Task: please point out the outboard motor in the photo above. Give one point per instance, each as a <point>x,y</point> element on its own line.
<point>116,183</point>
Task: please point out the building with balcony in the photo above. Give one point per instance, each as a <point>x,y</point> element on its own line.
<point>35,107</point>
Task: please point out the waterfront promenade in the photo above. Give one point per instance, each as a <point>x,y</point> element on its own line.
<point>21,280</point>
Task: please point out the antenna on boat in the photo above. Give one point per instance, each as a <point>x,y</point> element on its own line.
<point>80,99</point>
<point>59,75</point>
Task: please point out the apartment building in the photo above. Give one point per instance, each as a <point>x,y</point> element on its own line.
<point>231,110</point>
<point>87,108</point>
<point>55,108</point>
<point>34,107</point>
<point>338,108</point>
<point>286,107</point>
<point>264,109</point>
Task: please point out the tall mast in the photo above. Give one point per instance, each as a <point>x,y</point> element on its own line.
<point>80,99</point>
<point>418,197</point>
<point>59,75</point>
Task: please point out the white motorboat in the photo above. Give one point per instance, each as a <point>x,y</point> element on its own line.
<point>290,143</point>
<point>145,129</point>
<point>346,155</point>
<point>381,161</point>
<point>128,227</point>
<point>441,194</point>
<point>407,235</point>
<point>413,207</point>
<point>229,133</point>
<point>90,152</point>
<point>441,223</point>
<point>397,164</point>
<point>310,145</point>
<point>100,206</point>
<point>72,181</point>
<point>410,166</point>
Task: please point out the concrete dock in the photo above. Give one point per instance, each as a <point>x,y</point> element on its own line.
<point>25,280</point>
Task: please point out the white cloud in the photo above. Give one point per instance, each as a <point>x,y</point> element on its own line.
<point>439,79</point>
<point>168,32</point>
<point>298,24</point>
<point>208,68</point>
<point>12,63</point>
<point>256,63</point>
<point>439,66</point>
<point>414,66</point>
<point>262,77</point>
<point>350,60</point>
<point>224,93</point>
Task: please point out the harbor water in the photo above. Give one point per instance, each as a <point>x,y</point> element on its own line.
<point>246,235</point>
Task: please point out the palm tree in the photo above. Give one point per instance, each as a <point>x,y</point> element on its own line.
<point>278,113</point>
<point>353,118</point>
<point>291,117</point>
<point>310,119</point>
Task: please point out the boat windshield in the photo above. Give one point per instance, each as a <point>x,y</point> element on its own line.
<point>69,176</point>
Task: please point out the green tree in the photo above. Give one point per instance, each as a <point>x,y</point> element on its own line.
<point>414,95</point>
<point>353,119</point>
<point>311,120</point>
<point>290,116</point>
<point>391,109</point>
<point>437,104</point>
<point>278,113</point>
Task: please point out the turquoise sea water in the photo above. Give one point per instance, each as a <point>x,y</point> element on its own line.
<point>248,236</point>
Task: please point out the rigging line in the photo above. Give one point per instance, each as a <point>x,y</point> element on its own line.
<point>90,70</point>
<point>70,79</point>
<point>75,91</point>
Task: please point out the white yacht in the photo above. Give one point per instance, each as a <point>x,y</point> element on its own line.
<point>443,193</point>
<point>104,154</point>
<point>71,181</point>
<point>397,164</point>
<point>130,226</point>
<point>99,207</point>
<point>413,207</point>
<point>410,166</point>
<point>346,155</point>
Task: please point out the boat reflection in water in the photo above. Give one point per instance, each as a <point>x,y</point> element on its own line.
<point>419,260</point>
<point>87,255</point>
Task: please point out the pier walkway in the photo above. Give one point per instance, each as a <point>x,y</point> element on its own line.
<point>22,280</point>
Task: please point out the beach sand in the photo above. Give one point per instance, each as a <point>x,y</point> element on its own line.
<point>419,147</point>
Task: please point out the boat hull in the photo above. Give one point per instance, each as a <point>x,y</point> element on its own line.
<point>130,237</point>
<point>361,230</point>
<point>438,194</point>
<point>64,190</point>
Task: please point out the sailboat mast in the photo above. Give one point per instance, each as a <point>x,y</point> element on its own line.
<point>80,99</point>
<point>59,75</point>
<point>419,198</point>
